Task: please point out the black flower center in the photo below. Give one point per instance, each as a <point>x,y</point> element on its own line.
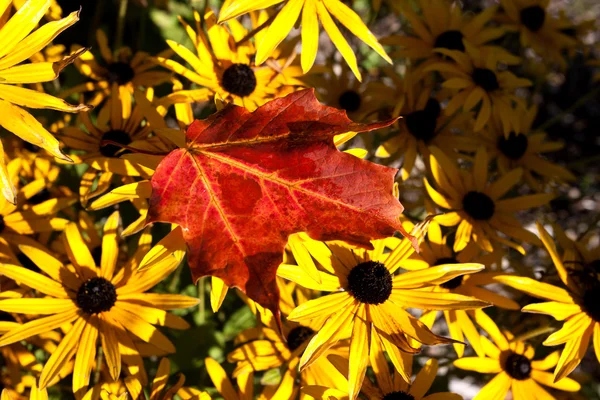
<point>118,136</point>
<point>451,40</point>
<point>399,395</point>
<point>120,72</point>
<point>486,79</point>
<point>514,146</point>
<point>31,147</point>
<point>96,295</point>
<point>370,282</point>
<point>239,79</point>
<point>350,101</point>
<point>478,205</point>
<point>590,301</point>
<point>40,197</point>
<point>421,124</point>
<point>298,336</point>
<point>517,366</point>
<point>27,263</point>
<point>2,224</point>
<point>533,18</point>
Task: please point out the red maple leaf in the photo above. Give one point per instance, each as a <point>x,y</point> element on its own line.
<point>246,181</point>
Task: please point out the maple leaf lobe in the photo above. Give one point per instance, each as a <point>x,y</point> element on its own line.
<point>246,181</point>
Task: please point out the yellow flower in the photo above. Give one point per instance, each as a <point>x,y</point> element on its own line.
<point>386,385</point>
<point>512,360</point>
<point>577,305</point>
<point>443,25</point>
<point>34,394</point>
<point>17,221</point>
<point>435,251</point>
<point>522,148</point>
<point>129,72</point>
<point>245,382</point>
<point>103,303</point>
<point>538,29</point>
<point>313,11</point>
<point>476,80</point>
<point>128,128</point>
<point>370,299</point>
<point>423,122</point>
<point>17,44</point>
<point>477,206</point>
<point>226,69</point>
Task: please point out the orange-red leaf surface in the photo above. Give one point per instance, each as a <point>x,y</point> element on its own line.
<point>246,181</point>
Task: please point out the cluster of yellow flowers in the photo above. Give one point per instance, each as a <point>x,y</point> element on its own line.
<point>77,263</point>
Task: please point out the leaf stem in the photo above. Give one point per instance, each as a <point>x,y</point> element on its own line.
<point>254,31</point>
<point>121,23</point>
<point>202,297</point>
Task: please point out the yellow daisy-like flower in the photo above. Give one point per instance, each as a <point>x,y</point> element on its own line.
<point>224,68</point>
<point>512,360</point>
<point>443,25</point>
<point>387,385</point>
<point>312,11</point>
<point>135,388</point>
<point>369,298</point>
<point>537,28</point>
<point>423,123</point>
<point>121,130</point>
<point>17,221</point>
<point>435,251</point>
<point>284,391</point>
<point>129,72</point>
<point>35,394</point>
<point>18,42</point>
<point>477,206</point>
<point>522,148</point>
<point>578,305</point>
<point>103,303</point>
<point>476,80</point>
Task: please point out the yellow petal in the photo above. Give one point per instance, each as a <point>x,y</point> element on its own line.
<point>34,99</point>
<point>338,39</point>
<point>536,289</point>
<point>78,252</point>
<point>359,347</point>
<point>63,353</point>
<point>38,40</point>
<point>566,384</point>
<point>142,329</point>
<point>325,305</point>
<point>37,306</point>
<point>354,24</point>
<point>38,71</point>
<point>424,379</point>
<point>218,376</point>
<point>86,355</point>
<point>136,190</point>
<point>279,29</point>
<point>496,389</point>
<point>435,300</point>
<point>34,280</point>
<point>233,9</point>
<point>168,249</point>
<point>560,311</point>
<point>21,24</point>
<point>110,346</point>
<point>479,364</point>
<point>110,246</point>
<point>571,329</point>
<point>25,126</point>
<point>310,35</point>
<point>435,275</point>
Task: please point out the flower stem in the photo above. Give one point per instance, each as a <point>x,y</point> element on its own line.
<point>254,31</point>
<point>121,23</point>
